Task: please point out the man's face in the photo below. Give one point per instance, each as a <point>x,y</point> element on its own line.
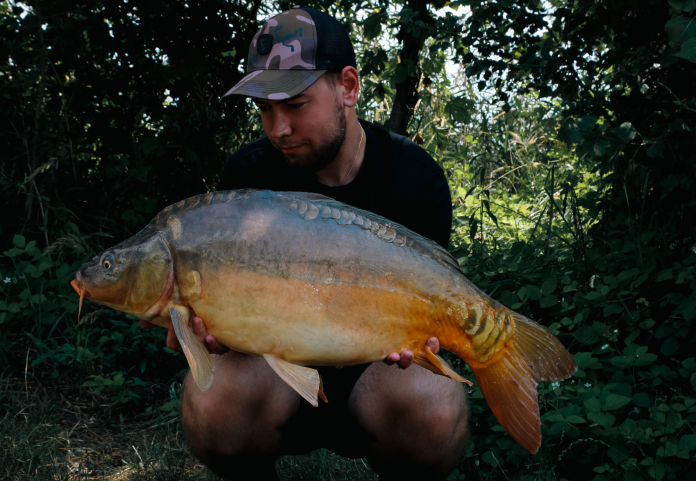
<point>309,129</point>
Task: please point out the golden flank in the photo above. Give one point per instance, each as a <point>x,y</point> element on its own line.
<point>303,280</point>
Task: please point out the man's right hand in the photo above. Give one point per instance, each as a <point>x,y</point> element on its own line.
<point>199,329</point>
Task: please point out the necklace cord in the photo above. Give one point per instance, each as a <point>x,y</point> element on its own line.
<point>362,133</point>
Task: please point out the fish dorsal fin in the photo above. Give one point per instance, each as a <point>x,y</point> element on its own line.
<point>199,359</point>
<point>306,381</point>
<point>436,364</point>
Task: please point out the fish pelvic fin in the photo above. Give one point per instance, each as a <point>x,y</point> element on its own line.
<point>305,380</point>
<point>436,364</point>
<point>509,383</point>
<point>199,359</point>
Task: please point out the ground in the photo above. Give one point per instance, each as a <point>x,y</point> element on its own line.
<point>63,432</point>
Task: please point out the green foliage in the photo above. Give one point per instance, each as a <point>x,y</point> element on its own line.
<point>567,135</point>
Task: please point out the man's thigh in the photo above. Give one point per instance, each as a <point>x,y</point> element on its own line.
<point>410,412</point>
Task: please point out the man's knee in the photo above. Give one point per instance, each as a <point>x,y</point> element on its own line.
<point>443,427</point>
<point>418,421</point>
<point>438,426</point>
<point>240,413</point>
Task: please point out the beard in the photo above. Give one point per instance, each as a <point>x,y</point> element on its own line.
<point>322,155</point>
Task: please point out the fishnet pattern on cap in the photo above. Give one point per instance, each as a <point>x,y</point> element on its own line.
<point>334,48</point>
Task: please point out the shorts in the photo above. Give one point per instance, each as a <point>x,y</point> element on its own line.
<point>331,425</point>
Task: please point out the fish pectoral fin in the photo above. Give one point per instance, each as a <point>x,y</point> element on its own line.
<point>199,359</point>
<point>436,364</point>
<point>306,381</point>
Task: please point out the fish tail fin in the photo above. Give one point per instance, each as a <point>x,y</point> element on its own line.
<point>509,383</point>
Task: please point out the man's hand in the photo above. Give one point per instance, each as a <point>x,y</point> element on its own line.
<point>199,329</point>
<point>405,359</point>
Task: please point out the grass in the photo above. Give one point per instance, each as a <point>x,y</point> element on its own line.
<point>67,434</point>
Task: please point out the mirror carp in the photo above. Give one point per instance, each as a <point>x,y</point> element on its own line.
<point>304,280</point>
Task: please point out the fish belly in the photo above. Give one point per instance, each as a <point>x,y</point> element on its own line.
<point>310,322</point>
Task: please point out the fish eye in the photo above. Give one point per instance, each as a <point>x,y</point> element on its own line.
<point>108,261</point>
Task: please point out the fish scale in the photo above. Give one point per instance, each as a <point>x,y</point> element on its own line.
<point>303,280</point>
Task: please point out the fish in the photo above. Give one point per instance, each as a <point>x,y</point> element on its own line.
<point>303,280</point>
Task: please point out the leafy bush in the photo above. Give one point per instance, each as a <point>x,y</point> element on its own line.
<point>567,136</point>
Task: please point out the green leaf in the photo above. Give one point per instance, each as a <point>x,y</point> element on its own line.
<point>586,122</point>
<point>677,5</point>
<point>680,29</point>
<point>663,275</point>
<point>655,149</point>
<point>549,285</point>
<point>488,457</point>
<point>533,292</point>
<point>687,309</point>
<point>149,145</point>
<point>372,25</point>
<point>688,442</point>
<point>593,405</point>
<point>588,335</point>
<point>575,419</point>
<point>459,109</point>
<point>75,229</point>
<point>615,401</point>
<point>626,131</point>
<point>641,399</point>
<point>600,146</point>
<point>14,252</point>
<point>555,417</point>
<point>593,295</point>
<point>569,132</point>
<point>670,346</point>
<point>585,360</point>
<point>548,301</point>
<point>688,50</point>
<point>19,241</point>
<point>487,205</point>
<point>605,420</point>
<point>657,472</point>
<point>644,360</point>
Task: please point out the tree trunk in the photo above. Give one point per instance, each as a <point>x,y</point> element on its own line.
<point>407,90</point>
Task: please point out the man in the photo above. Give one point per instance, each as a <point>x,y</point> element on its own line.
<point>410,423</point>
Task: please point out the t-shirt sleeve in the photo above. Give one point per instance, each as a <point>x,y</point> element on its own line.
<point>432,208</point>
<point>424,194</point>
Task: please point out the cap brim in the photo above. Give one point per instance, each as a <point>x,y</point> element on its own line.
<point>275,84</point>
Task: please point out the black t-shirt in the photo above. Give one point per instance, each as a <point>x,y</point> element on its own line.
<point>397,180</point>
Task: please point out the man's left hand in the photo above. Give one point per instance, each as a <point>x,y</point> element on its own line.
<point>405,358</point>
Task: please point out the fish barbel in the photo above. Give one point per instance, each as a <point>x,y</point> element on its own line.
<point>303,280</point>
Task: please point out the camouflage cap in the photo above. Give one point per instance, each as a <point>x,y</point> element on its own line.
<point>293,50</point>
